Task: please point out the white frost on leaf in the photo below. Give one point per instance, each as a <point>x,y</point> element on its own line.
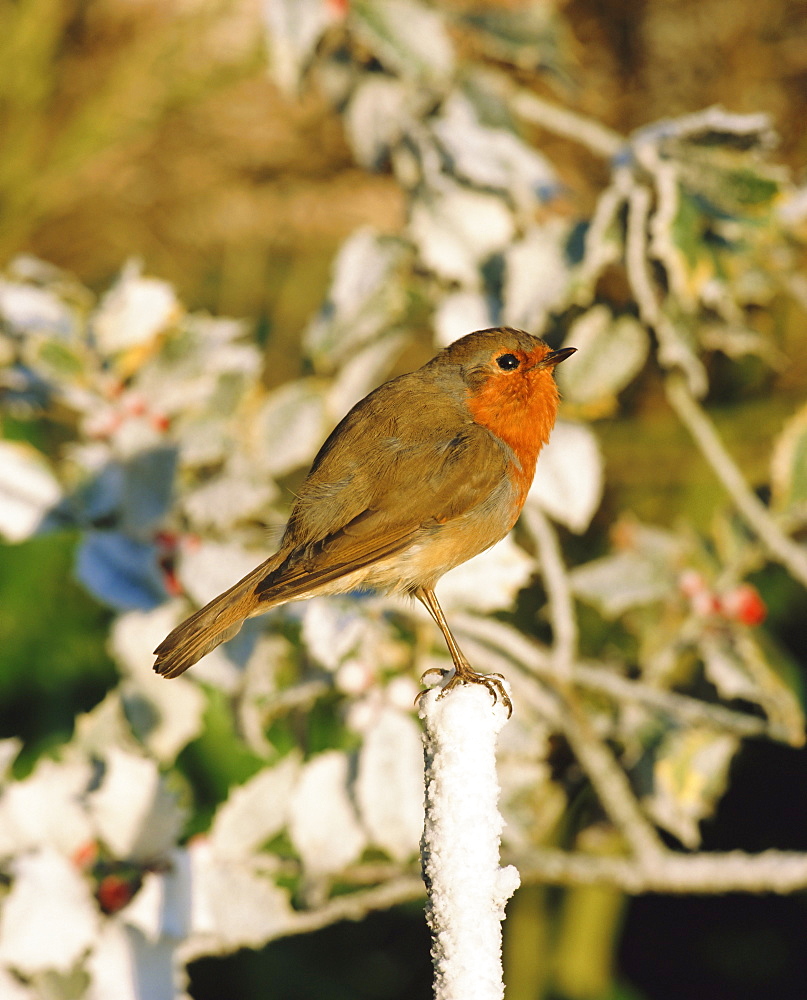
<point>460,313</point>
<point>536,276</point>
<point>161,906</point>
<point>363,298</point>
<point>690,775</point>
<point>12,989</point>
<point>124,965</point>
<point>332,628</point>
<point>389,787</point>
<point>255,811</point>
<point>492,157</point>
<point>136,816</point>
<point>294,27</point>
<point>28,309</point>
<point>49,918</point>
<point>207,569</point>
<point>28,490</point>
<point>232,906</point>
<point>174,712</point>
<point>489,581</point>
<point>290,427</point>
<point>569,480</point>
<point>134,311</point>
<point>457,229</point>
<point>407,37</point>
<point>610,353</point>
<point>324,827</point>
<point>46,809</point>
<point>378,115</point>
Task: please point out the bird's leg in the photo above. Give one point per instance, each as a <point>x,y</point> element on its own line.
<point>464,673</point>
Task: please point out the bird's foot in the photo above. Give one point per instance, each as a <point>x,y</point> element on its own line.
<point>465,674</point>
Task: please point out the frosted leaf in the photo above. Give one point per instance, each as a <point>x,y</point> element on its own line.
<point>46,809</point>
<point>690,775</point>
<point>290,427</point>
<point>124,965</point>
<point>120,571</point>
<point>255,811</point>
<point>164,717</point>
<point>621,581</point>
<point>389,787</point>
<point>457,230</point>
<point>323,827</point>
<point>407,37</point>
<point>28,490</point>
<point>136,816</point>
<point>536,276</point>
<point>28,309</point>
<point>148,480</point>
<point>134,311</point>
<point>12,989</point>
<point>492,157</point>
<point>294,27</point>
<point>376,118</point>
<point>789,463</point>
<point>489,581</point>
<point>331,629</point>
<point>610,353</point>
<point>231,906</point>
<point>569,480</point>
<point>161,906</point>
<point>49,917</point>
<point>361,373</point>
<point>238,493</point>
<point>460,313</point>
<point>363,299</point>
<point>9,748</point>
<point>207,569</point>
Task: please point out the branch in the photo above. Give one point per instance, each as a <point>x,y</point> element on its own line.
<point>517,650</point>
<point>558,589</point>
<point>600,139</point>
<point>789,553</point>
<point>734,871</point>
<point>467,889</point>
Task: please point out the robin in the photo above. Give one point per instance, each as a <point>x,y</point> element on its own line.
<point>428,470</point>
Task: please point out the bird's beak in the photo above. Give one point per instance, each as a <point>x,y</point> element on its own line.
<point>555,357</point>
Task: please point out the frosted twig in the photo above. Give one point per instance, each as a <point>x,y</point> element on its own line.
<point>590,133</point>
<point>559,591</point>
<point>460,846</point>
<point>734,871</point>
<point>789,553</point>
<point>351,906</point>
<point>499,640</point>
<point>674,352</point>
<point>612,787</point>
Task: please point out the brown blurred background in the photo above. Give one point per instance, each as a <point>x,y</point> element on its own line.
<point>152,127</point>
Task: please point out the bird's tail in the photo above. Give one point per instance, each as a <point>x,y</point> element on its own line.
<point>215,623</point>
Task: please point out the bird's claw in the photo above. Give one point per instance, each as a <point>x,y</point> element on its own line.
<point>492,682</point>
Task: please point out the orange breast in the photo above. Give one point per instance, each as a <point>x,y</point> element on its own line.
<point>520,409</point>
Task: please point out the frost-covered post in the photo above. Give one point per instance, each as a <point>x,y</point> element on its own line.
<point>460,846</point>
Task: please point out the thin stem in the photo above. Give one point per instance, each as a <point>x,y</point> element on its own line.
<point>598,138</point>
<point>734,871</point>
<point>511,648</point>
<point>789,553</point>
<point>558,588</point>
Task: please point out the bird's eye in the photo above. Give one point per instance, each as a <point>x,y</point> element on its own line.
<point>507,362</point>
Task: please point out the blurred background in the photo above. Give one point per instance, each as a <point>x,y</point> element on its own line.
<point>153,129</point>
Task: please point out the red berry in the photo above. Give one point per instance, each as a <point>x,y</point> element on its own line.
<point>744,605</point>
<point>114,893</point>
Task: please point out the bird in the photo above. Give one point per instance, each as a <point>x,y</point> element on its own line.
<point>425,472</point>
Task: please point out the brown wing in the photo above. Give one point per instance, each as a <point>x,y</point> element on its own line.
<point>370,497</point>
